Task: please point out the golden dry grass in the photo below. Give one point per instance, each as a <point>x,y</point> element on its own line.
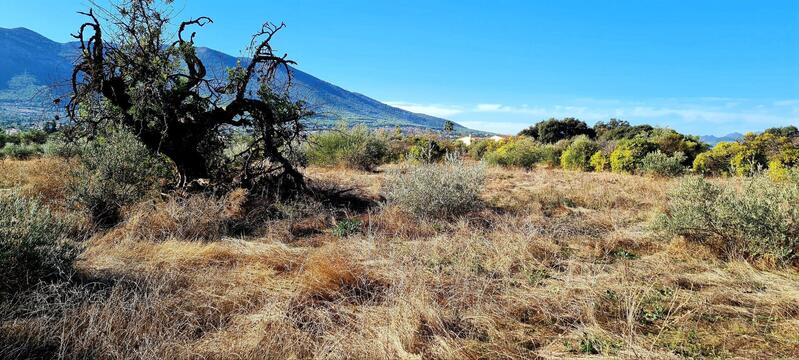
<point>46,178</point>
<point>558,265</point>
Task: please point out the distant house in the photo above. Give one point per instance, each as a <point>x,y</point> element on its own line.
<point>468,140</point>
<point>12,131</point>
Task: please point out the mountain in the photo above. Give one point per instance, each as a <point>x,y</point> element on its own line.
<point>333,103</point>
<point>29,61</point>
<point>713,140</point>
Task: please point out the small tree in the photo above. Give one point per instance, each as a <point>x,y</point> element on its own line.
<point>554,130</point>
<point>449,126</point>
<point>129,74</point>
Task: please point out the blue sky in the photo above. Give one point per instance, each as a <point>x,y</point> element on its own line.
<point>703,67</point>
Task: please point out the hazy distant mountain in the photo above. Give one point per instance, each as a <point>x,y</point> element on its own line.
<point>29,60</point>
<point>713,140</point>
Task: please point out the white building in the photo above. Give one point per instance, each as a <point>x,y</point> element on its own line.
<point>468,140</point>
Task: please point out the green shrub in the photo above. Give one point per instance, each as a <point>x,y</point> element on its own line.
<point>20,151</point>
<point>551,153</point>
<point>659,164</point>
<point>397,150</point>
<point>33,244</point>
<point>519,152</point>
<point>437,190</point>
<point>599,161</point>
<point>114,171</point>
<point>777,171</point>
<point>671,142</point>
<point>356,148</point>
<point>60,148</point>
<point>627,156</point>
<point>759,220</point>
<point>478,149</point>
<point>749,156</point>
<point>578,155</point>
<point>426,150</point>
<point>717,161</point>
<point>347,227</point>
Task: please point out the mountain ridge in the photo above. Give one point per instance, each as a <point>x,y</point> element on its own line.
<point>713,140</point>
<point>26,53</point>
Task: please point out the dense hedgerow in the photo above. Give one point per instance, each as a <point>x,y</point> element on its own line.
<point>759,221</point>
<point>115,171</point>
<point>356,148</point>
<point>659,164</point>
<point>439,190</point>
<point>33,244</point>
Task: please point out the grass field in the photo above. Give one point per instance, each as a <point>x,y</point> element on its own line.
<point>557,264</point>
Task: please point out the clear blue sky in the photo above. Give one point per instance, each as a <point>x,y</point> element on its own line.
<point>705,67</point>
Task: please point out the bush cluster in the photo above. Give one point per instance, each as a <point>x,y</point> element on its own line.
<point>114,171</point>
<point>356,148</point>
<point>615,145</point>
<point>33,244</point>
<point>520,152</point>
<point>426,149</point>
<point>599,161</point>
<point>479,148</point>
<point>776,148</point>
<point>660,164</point>
<point>759,221</point>
<point>578,155</point>
<point>437,190</point>
<point>628,154</point>
<point>32,143</point>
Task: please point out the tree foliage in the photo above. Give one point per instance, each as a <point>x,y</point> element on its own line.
<point>616,129</point>
<point>131,75</point>
<point>553,130</point>
<point>751,154</point>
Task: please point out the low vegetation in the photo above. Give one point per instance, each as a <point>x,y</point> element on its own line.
<point>356,148</point>
<point>547,263</point>
<point>578,155</point>
<point>459,261</point>
<point>521,152</point>
<point>114,171</point>
<point>657,163</point>
<point>34,245</point>
<point>757,219</point>
<point>620,147</point>
<point>441,190</point>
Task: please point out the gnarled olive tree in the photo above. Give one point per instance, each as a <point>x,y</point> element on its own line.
<point>131,74</point>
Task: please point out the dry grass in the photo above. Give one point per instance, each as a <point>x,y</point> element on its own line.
<point>558,265</point>
<point>46,178</point>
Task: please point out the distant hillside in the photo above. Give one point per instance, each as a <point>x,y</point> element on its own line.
<point>333,103</point>
<point>28,61</point>
<point>713,140</point>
